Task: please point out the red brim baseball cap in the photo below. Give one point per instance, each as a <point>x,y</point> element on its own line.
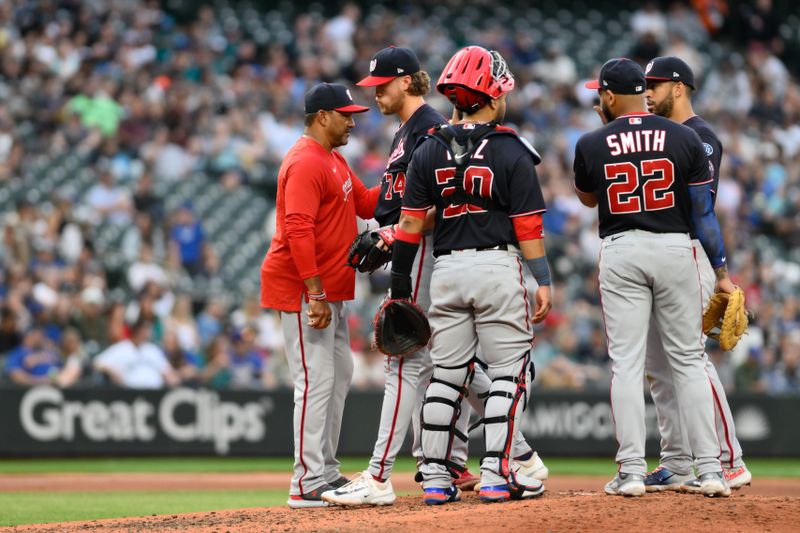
<point>390,63</point>
<point>355,108</point>
<point>373,81</point>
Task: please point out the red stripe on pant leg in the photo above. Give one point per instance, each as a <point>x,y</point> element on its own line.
<point>419,270</point>
<point>394,417</point>
<point>305,401</point>
<point>724,421</point>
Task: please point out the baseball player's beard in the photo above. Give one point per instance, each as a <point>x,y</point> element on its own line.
<point>390,107</point>
<point>664,109</point>
<point>606,112</point>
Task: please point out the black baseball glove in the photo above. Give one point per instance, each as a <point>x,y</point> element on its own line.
<point>365,255</point>
<point>401,327</point>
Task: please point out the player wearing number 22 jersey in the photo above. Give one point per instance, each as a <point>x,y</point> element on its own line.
<point>631,165</point>
<point>649,177</point>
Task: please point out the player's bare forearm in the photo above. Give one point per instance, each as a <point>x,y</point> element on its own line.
<point>531,249</point>
<point>313,285</point>
<point>411,224</point>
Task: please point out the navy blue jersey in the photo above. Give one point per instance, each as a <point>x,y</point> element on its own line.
<point>711,144</point>
<point>640,166</point>
<point>501,169</point>
<point>394,179</point>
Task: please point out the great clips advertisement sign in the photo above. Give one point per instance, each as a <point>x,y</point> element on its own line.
<point>45,421</point>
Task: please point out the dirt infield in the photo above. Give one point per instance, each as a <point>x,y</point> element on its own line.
<point>570,504</point>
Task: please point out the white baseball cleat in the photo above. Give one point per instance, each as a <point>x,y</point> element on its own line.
<point>532,468</point>
<point>714,484</point>
<point>737,477</point>
<point>626,485</point>
<point>363,490</point>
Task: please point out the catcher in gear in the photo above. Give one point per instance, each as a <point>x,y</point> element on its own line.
<point>481,179</point>
<point>670,84</point>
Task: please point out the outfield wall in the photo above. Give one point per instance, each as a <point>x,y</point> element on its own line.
<point>45,421</point>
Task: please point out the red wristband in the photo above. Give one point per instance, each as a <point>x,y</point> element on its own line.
<point>318,296</point>
<point>412,238</point>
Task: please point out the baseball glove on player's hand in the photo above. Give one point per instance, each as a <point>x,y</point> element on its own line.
<point>365,255</point>
<point>401,327</point>
<point>725,318</point>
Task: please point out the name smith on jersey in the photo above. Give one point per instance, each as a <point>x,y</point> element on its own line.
<point>628,142</point>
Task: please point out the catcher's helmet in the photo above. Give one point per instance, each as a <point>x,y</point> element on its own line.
<point>472,76</point>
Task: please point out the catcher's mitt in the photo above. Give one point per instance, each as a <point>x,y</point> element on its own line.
<point>364,254</point>
<point>401,327</point>
<point>725,318</point>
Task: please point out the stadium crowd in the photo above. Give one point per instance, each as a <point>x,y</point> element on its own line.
<point>147,96</point>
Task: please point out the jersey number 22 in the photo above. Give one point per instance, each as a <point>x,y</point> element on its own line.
<point>623,196</point>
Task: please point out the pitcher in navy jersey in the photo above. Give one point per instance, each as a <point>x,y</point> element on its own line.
<point>481,179</point>
<point>670,84</point>
<point>650,179</point>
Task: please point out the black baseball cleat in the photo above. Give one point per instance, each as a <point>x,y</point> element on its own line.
<point>309,499</point>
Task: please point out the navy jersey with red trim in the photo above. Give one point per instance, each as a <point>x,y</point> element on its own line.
<point>501,169</point>
<point>712,145</point>
<point>394,178</point>
<point>640,167</point>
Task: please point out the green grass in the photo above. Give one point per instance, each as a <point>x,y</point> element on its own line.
<point>18,508</point>
<point>767,467</point>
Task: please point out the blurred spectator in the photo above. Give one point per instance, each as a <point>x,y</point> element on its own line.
<point>73,359</point>
<point>649,20</point>
<point>216,372</point>
<point>145,270</point>
<point>35,362</point>
<point>136,363</point>
<point>90,318</point>
<point>750,375</point>
<point>187,234</point>
<point>210,320</point>
<point>556,67</point>
<point>184,363</point>
<point>182,324</point>
<point>246,362</point>
<point>110,201</point>
<point>727,88</point>
<point>10,334</point>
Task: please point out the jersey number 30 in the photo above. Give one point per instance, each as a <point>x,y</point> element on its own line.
<point>623,196</point>
<point>477,182</point>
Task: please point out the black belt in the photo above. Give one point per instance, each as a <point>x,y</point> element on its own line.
<point>440,253</point>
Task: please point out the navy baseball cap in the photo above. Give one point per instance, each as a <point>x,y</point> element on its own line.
<point>669,68</point>
<point>390,63</point>
<point>620,76</point>
<point>331,96</point>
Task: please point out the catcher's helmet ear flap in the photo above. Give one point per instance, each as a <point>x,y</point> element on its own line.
<point>472,76</point>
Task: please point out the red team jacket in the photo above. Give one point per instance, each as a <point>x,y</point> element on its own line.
<point>318,200</point>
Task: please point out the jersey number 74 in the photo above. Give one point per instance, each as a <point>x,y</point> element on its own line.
<point>625,196</point>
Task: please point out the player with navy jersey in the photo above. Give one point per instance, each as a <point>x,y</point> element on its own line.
<point>650,179</point>
<point>670,84</point>
<point>481,179</point>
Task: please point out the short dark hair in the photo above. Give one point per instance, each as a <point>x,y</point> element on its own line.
<point>420,84</point>
<point>308,120</point>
